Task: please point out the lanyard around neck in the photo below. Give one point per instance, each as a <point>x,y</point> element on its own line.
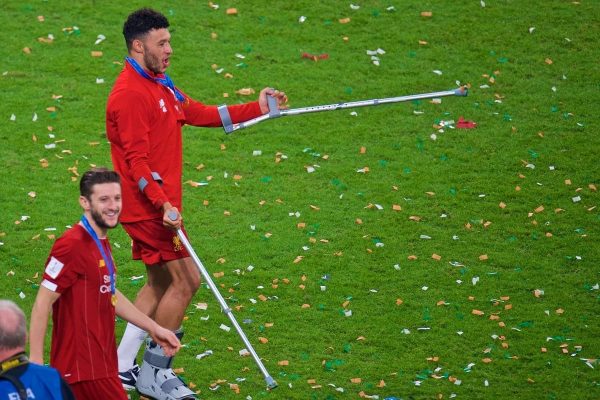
<point>165,80</point>
<point>107,260</point>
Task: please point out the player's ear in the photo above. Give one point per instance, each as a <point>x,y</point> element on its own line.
<point>137,45</point>
<point>84,203</point>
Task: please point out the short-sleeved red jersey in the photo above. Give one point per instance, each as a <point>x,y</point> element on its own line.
<point>143,125</point>
<point>83,333</point>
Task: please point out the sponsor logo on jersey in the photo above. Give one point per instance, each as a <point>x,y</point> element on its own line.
<point>161,105</point>
<point>106,287</point>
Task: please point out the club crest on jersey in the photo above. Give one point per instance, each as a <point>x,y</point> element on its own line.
<point>161,105</point>
<point>101,264</point>
<point>177,246</point>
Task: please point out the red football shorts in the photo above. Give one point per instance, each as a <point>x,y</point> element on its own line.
<point>99,389</point>
<point>153,242</point>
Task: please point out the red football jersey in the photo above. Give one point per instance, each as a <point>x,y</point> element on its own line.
<point>143,125</point>
<point>83,332</point>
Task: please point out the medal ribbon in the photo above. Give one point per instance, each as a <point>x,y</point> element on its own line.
<point>107,260</point>
<point>165,80</point>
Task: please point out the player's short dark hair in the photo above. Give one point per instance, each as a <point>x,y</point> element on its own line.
<point>96,176</point>
<point>140,22</point>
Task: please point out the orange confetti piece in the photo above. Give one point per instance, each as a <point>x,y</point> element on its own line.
<point>262,297</point>
<point>381,384</point>
<point>414,218</point>
<point>298,259</point>
<point>221,261</point>
<point>396,207</point>
<point>549,61</point>
<point>363,149</point>
<point>96,53</point>
<point>539,209</point>
<point>305,305</point>
<point>356,380</point>
<point>477,312</point>
<point>283,363</point>
<point>399,302</point>
<point>232,11</point>
<point>223,147</point>
<point>426,14</point>
<point>26,50</point>
<point>483,257</point>
<point>412,257</point>
<point>358,221</point>
<point>263,340</point>
<point>218,274</point>
<point>344,20</point>
<point>487,360</point>
<point>436,257</point>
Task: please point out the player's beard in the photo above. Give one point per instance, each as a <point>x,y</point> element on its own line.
<point>153,63</point>
<point>100,222</point>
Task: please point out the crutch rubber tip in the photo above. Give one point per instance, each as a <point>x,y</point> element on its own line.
<point>461,91</point>
<point>271,384</point>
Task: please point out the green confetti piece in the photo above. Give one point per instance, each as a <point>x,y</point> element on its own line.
<point>511,239</point>
<point>348,90</point>
<point>420,144</point>
<point>507,117</point>
<point>525,324</point>
<point>412,54</point>
<point>266,179</point>
<point>452,191</point>
<point>503,60</point>
<point>443,157</point>
<point>375,13</point>
<point>533,153</point>
<point>406,170</point>
<point>383,163</point>
<point>347,348</point>
<point>426,314</point>
<point>248,48</point>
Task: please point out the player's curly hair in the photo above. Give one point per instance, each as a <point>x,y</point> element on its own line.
<point>140,22</point>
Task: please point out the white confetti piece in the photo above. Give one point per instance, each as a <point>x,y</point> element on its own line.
<point>225,327</point>
<point>35,117</point>
<point>100,39</point>
<point>354,6</point>
<point>576,199</point>
<point>532,29</point>
<point>13,117</point>
<point>257,153</point>
<point>437,72</point>
<point>50,146</point>
<point>302,19</point>
<point>22,295</point>
<point>244,352</point>
<point>204,355</point>
<point>99,81</point>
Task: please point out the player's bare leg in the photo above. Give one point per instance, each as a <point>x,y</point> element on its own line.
<point>156,378</point>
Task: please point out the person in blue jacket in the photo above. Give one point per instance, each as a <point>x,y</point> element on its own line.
<point>20,379</point>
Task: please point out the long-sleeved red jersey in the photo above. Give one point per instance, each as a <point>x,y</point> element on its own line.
<point>143,125</point>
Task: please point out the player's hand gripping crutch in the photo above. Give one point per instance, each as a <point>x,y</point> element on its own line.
<point>271,384</point>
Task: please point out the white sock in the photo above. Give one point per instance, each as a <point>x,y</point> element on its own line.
<point>132,340</point>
